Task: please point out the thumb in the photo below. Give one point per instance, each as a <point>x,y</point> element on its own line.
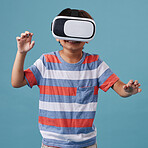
<point>32,44</point>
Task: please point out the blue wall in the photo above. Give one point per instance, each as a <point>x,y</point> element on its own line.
<point>121,41</point>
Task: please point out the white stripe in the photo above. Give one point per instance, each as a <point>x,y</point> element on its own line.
<point>70,107</point>
<point>70,137</point>
<point>70,75</point>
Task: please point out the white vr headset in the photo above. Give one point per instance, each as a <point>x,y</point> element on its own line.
<point>73,28</point>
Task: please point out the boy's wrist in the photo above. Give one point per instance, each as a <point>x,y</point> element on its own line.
<point>21,52</point>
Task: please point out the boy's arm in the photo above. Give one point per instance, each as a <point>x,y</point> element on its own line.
<point>24,44</point>
<point>126,90</point>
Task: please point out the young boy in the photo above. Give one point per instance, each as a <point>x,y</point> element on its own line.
<point>68,80</point>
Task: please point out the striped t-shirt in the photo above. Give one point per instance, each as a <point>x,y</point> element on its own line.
<point>68,97</point>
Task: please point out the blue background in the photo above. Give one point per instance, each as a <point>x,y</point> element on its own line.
<point>121,41</point>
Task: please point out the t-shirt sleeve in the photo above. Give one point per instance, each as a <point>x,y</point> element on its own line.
<point>106,78</point>
<point>33,73</point>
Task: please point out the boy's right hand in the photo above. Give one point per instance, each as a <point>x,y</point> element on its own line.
<point>24,43</point>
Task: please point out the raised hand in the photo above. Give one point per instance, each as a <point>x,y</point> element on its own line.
<point>132,87</point>
<point>24,43</point>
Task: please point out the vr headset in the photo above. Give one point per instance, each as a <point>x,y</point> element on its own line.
<point>73,28</point>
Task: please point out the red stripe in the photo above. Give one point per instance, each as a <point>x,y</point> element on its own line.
<point>66,122</point>
<point>30,77</point>
<point>96,90</point>
<point>52,58</point>
<point>90,59</point>
<point>57,90</point>
<point>109,82</point>
<point>50,146</point>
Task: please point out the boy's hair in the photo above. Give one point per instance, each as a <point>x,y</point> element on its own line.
<point>81,13</point>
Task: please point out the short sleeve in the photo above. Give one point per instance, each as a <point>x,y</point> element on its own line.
<point>33,73</point>
<point>106,78</point>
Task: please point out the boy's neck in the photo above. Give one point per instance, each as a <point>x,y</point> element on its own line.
<point>71,56</point>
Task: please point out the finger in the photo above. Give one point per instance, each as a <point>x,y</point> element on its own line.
<point>31,34</point>
<point>29,37</point>
<point>130,83</point>
<point>27,32</point>
<point>32,44</point>
<point>125,87</point>
<point>23,35</point>
<point>138,85</point>
<point>139,90</point>
<point>133,85</point>
<point>18,38</point>
<point>136,82</point>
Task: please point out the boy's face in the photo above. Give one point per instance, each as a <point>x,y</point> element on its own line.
<point>71,45</point>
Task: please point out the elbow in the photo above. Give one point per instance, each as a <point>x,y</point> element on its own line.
<point>14,85</point>
<point>18,84</point>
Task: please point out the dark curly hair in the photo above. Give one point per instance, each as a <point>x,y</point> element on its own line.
<point>81,13</point>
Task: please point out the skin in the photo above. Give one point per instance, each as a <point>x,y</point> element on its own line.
<point>71,53</point>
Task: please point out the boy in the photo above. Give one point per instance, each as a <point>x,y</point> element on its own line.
<point>68,80</point>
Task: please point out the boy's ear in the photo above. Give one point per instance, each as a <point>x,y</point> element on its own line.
<point>58,40</point>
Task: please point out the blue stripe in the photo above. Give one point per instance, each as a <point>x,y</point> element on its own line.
<point>68,143</point>
<point>68,83</point>
<point>67,115</point>
<point>104,76</point>
<point>66,130</point>
<point>70,99</point>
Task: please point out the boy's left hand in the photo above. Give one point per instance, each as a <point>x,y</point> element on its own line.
<point>132,87</point>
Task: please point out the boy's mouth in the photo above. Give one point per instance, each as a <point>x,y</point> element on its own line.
<point>72,42</point>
